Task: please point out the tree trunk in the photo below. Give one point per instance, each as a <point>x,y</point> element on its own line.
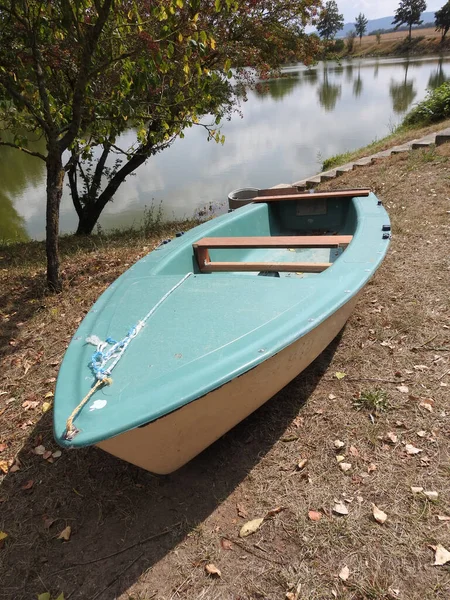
<point>55,178</point>
<point>87,220</point>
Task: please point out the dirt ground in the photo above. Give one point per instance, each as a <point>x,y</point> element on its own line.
<point>137,536</point>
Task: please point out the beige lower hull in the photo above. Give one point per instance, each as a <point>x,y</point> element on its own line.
<point>168,443</point>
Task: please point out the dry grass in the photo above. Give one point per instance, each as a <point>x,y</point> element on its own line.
<point>424,41</point>
<point>398,335</point>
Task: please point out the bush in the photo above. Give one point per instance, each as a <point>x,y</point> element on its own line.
<point>351,41</point>
<point>435,107</point>
<point>339,45</point>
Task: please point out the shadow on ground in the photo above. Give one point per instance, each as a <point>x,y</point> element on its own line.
<point>123,519</point>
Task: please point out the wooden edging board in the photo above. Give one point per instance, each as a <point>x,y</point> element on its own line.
<point>287,241</point>
<point>210,267</point>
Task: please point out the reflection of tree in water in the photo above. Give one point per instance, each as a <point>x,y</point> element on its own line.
<point>358,84</point>
<point>311,76</point>
<point>328,93</point>
<point>278,88</point>
<point>349,72</point>
<point>402,93</point>
<point>376,69</point>
<point>438,77</point>
<point>17,172</point>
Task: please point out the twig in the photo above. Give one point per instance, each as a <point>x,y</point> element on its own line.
<point>425,343</point>
<point>368,379</point>
<point>98,594</point>
<point>140,543</point>
<point>444,374</point>
<point>246,549</point>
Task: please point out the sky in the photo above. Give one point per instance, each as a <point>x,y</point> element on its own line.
<point>374,9</point>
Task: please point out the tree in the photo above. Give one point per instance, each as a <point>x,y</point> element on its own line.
<point>378,36</point>
<point>330,20</point>
<point>80,73</point>
<point>361,26</point>
<point>409,12</point>
<point>442,19</point>
<point>350,40</point>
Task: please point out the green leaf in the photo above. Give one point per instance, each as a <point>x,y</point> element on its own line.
<point>44,596</point>
<point>217,5</point>
<point>340,375</point>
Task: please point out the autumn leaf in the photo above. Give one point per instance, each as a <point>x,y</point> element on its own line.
<point>331,397</point>
<point>340,375</point>
<point>403,389</point>
<point>65,534</point>
<point>340,508</point>
<point>49,395</point>
<point>39,450</point>
<point>28,485</point>
<point>345,466</point>
<point>46,406</point>
<point>4,466</point>
<point>212,570</point>
<point>274,511</point>
<point>250,527</point>
<point>301,464</point>
<point>392,437</point>
<point>378,514</point>
<point>411,450</point>
<point>427,404</point>
<point>226,544</point>
<point>2,447</point>
<point>416,489</point>
<point>338,444</point>
<point>431,495</point>
<point>354,451</point>
<point>241,511</point>
<point>314,515</point>
<point>442,556</point>
<point>344,573</point>
<point>3,537</point>
<point>56,453</point>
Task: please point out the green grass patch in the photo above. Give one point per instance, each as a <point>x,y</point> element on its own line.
<point>435,108</point>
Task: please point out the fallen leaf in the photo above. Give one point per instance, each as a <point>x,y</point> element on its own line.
<point>378,514</point>
<point>49,395</point>
<point>46,406</point>
<point>345,466</point>
<point>314,515</point>
<point>371,468</point>
<point>340,375</point>
<point>44,596</point>
<point>431,495</point>
<point>48,521</point>
<point>422,434</point>
<point>50,380</point>
<point>28,485</point>
<point>403,389</point>
<point>340,508</point>
<point>241,511</point>
<point>39,450</point>
<point>47,454</point>
<point>56,453</point>
<point>331,397</point>
<point>212,570</point>
<point>3,537</point>
<point>338,444</point>
<point>65,534</point>
<point>3,447</point>
<point>301,464</point>
<point>443,518</point>
<point>299,422</point>
<point>442,556</point>
<point>340,458</point>
<point>416,489</point>
<point>410,449</point>
<point>344,574</point>
<point>250,527</point>
<point>421,367</point>
<point>274,511</point>
<point>392,437</point>
<point>30,404</point>
<point>226,544</point>
<point>354,451</point>
<point>4,466</point>
<point>427,404</point>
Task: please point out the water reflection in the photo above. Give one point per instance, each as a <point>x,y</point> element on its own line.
<point>402,93</point>
<point>357,85</point>
<point>328,92</point>
<point>439,76</point>
<point>277,89</point>
<point>349,72</point>
<point>19,174</point>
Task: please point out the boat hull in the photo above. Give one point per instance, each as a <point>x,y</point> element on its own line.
<point>165,445</point>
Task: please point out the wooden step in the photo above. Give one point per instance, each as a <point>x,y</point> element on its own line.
<point>304,267</point>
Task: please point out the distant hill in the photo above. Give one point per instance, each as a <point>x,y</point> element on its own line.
<point>383,23</point>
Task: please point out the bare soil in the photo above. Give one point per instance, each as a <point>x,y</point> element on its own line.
<point>135,535</point>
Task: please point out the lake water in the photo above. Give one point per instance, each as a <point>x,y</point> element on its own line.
<point>288,126</point>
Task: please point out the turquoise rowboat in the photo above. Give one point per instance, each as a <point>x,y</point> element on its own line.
<point>214,323</point>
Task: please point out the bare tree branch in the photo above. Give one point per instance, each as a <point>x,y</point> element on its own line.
<point>22,149</point>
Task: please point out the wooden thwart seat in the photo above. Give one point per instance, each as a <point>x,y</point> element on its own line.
<point>280,195</point>
<point>202,246</point>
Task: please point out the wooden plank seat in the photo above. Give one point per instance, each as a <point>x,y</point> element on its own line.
<point>202,246</point>
<point>281,197</point>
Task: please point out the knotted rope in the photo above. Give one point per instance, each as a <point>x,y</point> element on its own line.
<point>103,357</point>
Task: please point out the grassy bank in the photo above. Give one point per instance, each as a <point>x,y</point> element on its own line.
<point>133,535</point>
<point>424,41</point>
<point>401,135</point>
